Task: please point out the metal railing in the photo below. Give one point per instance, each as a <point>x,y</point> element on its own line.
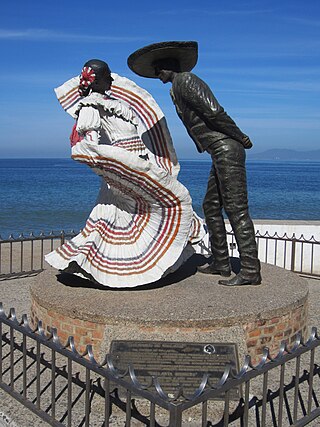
<point>66,388</point>
<point>25,255</point>
<point>293,253</point>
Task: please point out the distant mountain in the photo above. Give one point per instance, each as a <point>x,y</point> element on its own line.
<point>283,154</point>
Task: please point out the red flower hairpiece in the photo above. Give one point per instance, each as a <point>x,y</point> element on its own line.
<point>87,76</point>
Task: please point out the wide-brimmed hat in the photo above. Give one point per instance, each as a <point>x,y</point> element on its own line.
<point>143,61</point>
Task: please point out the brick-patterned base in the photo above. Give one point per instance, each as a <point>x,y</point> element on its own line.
<point>271,332</point>
<point>83,331</point>
<point>258,334</point>
<point>196,309</point>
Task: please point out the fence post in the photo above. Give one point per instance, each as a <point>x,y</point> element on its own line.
<point>293,252</point>
<point>175,416</point>
<point>62,237</point>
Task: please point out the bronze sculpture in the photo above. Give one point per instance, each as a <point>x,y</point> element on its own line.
<point>215,132</point>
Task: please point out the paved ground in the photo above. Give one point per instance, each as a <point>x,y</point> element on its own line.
<point>15,293</point>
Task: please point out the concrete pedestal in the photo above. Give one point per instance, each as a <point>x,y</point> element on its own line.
<point>185,306</point>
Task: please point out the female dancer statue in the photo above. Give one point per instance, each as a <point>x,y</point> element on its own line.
<point>143,225</point>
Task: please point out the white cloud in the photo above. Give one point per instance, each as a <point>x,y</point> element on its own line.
<point>38,34</point>
<point>288,47</point>
<point>235,71</point>
<point>303,21</point>
<point>211,12</point>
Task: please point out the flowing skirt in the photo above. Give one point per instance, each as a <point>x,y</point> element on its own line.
<point>141,228</point>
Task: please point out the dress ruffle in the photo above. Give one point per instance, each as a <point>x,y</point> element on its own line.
<point>152,127</point>
<point>114,107</point>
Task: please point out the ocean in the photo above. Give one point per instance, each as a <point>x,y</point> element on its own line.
<point>42,195</point>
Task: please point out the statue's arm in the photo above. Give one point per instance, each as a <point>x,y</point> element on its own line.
<point>89,123</point>
<point>198,97</point>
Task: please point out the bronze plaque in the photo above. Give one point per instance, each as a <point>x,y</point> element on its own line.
<point>176,363</point>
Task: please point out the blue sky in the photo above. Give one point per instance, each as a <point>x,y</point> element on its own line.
<point>261,59</point>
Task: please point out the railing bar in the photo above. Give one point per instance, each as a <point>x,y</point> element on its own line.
<point>264,399</point>
<point>53,384</point>
<point>107,402</point>
<point>246,404</point>
<point>31,256</point>
<point>226,408</point>
<point>38,375</point>
<point>69,392</point>
<point>87,398</point>
<point>175,417</point>
<point>41,254</point>
<point>0,257</point>
<point>293,254</point>
<point>28,404</point>
<point>10,257</point>
<point>285,254</point>
<point>281,395</point>
<point>51,244</point>
<point>266,255</point>
<point>11,357</point>
<point>19,274</point>
<point>311,371</point>
<point>296,389</point>
<point>301,257</point>
<point>312,258</point>
<point>308,418</point>
<point>152,414</point>
<point>204,413</point>
<point>128,409</point>
<point>24,365</point>
<point>275,251</point>
<point>21,256</point>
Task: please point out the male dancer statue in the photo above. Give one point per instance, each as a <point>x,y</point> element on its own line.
<point>213,131</point>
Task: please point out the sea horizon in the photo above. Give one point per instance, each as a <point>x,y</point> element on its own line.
<point>206,159</point>
<point>45,194</point>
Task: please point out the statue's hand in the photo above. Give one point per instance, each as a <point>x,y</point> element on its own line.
<point>246,142</point>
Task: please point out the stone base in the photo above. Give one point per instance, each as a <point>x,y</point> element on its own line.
<point>186,306</point>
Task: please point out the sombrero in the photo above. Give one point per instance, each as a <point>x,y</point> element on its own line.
<point>142,61</point>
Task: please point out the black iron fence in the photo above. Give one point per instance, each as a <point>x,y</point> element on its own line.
<point>293,253</point>
<point>25,254</point>
<point>66,388</point>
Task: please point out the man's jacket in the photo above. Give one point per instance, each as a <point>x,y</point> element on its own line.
<point>204,118</point>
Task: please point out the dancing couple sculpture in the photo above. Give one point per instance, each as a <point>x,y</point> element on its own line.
<point>143,226</point>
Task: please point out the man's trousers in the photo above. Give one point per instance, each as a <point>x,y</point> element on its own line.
<point>227,189</point>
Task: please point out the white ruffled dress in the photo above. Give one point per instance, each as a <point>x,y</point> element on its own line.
<point>142,226</point>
